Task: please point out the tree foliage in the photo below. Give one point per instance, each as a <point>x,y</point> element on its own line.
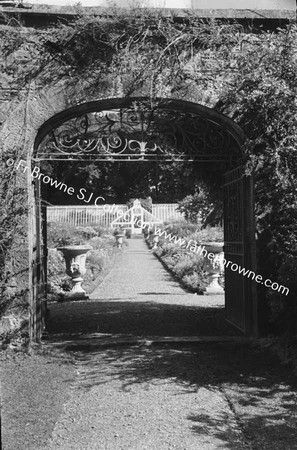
<point>263,102</point>
<point>204,206</point>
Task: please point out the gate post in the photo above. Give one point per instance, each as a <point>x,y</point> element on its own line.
<point>240,249</point>
<point>37,259</point>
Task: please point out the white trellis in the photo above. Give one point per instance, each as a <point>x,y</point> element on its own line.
<point>88,215</point>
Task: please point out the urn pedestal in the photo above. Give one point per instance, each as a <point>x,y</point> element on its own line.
<point>75,259</point>
<point>215,266</point>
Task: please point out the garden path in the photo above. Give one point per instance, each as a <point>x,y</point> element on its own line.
<point>171,396</point>
<point>109,408</point>
<point>141,277</point>
<point>140,298</point>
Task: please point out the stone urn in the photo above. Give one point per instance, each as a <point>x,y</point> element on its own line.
<point>75,258</point>
<point>155,238</point>
<point>215,266</point>
<point>119,239</point>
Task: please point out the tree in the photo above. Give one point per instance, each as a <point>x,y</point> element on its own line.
<point>202,206</point>
<point>263,101</point>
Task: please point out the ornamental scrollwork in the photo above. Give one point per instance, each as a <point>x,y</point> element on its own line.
<point>138,133</point>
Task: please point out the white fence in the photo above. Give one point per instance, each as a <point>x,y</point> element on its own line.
<point>167,212</point>
<point>96,215</point>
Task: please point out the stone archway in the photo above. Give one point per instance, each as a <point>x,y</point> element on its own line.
<point>134,129</point>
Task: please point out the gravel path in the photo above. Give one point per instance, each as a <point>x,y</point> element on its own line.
<point>207,397</point>
<point>228,396</point>
<point>112,409</point>
<point>140,298</point>
<point>140,277</point>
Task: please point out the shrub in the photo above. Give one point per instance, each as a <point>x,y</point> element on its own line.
<point>184,266</point>
<point>58,281</point>
<point>99,243</point>
<point>61,234</point>
<point>209,234</point>
<point>100,230</point>
<point>86,232</point>
<point>195,207</point>
<point>181,228</point>
<point>95,261</point>
<point>195,282</point>
<point>187,266</point>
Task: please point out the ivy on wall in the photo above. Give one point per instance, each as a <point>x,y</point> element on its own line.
<point>250,77</point>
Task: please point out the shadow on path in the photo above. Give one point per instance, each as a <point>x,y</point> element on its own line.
<point>228,396</point>
<point>138,319</point>
<point>259,391</point>
<point>139,298</point>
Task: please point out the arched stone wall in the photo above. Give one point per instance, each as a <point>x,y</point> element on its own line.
<point>170,109</point>
<point>18,135</point>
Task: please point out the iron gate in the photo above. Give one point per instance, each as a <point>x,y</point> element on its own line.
<point>239,248</point>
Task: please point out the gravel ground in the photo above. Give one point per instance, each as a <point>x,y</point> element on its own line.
<point>223,396</point>
<point>207,396</point>
<point>34,389</point>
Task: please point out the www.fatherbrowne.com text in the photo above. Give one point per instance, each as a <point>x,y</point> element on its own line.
<point>201,251</point>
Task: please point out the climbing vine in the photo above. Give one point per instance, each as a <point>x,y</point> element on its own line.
<point>264,104</point>
<point>250,77</point>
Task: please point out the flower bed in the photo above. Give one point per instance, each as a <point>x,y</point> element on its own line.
<point>188,267</point>
<point>98,259</point>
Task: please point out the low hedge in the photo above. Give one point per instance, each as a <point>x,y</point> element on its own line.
<point>186,266</point>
